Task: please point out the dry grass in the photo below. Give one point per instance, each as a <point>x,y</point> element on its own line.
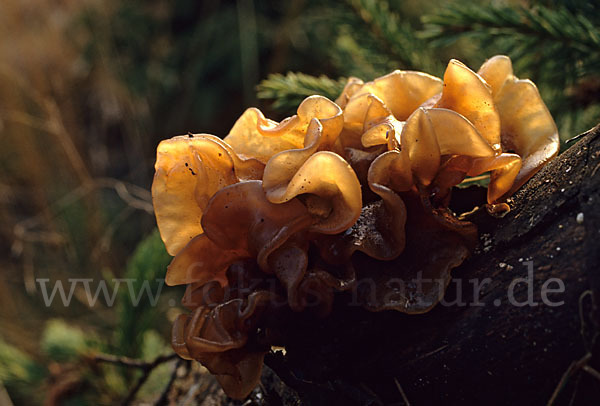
<point>65,126</point>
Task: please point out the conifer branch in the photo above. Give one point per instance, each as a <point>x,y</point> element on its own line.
<point>290,89</point>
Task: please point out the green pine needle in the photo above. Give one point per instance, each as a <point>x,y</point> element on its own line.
<point>289,90</point>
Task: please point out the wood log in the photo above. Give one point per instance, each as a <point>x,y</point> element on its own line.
<point>516,340</point>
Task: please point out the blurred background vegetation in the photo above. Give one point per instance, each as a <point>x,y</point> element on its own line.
<point>89,87</point>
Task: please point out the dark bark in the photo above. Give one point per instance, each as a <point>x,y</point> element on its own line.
<point>495,353</point>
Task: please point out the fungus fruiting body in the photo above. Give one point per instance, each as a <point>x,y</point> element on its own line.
<point>280,217</point>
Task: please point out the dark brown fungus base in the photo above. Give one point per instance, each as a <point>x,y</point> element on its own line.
<point>415,281</point>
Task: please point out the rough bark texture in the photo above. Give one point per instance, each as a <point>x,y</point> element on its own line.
<point>491,353</point>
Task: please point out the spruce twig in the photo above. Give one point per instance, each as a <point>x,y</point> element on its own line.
<point>290,89</point>
<point>145,366</point>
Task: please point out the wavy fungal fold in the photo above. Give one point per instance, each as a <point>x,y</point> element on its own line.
<point>277,218</point>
